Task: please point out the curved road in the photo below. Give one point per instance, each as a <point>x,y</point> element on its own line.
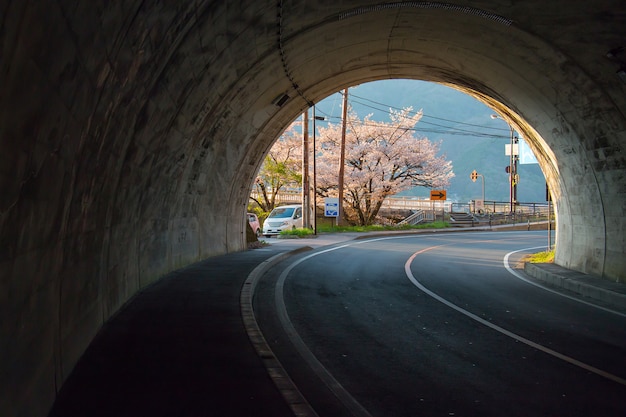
<point>440,325</point>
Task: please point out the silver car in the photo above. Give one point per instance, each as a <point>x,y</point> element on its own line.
<point>283,218</point>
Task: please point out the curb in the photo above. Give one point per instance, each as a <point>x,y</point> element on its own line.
<point>292,395</point>
<point>583,284</point>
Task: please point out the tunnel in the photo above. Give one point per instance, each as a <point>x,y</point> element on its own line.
<point>131,133</point>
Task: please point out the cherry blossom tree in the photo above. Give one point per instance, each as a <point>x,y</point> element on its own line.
<point>381,159</point>
<point>281,169</point>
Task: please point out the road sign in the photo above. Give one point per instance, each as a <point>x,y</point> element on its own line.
<point>507,149</point>
<point>437,194</point>
<point>474,175</point>
<point>331,207</point>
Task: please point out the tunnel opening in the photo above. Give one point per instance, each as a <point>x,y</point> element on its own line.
<point>455,122</point>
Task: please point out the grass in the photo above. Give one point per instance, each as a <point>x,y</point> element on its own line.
<point>377,228</point>
<point>540,257</point>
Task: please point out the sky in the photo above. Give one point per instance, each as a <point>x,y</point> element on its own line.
<point>469,136</point>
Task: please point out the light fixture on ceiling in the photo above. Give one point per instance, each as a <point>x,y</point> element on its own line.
<point>280,100</point>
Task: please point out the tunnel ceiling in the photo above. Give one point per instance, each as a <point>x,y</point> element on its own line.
<point>131,133</point>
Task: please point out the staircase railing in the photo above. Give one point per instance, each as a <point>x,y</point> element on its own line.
<point>415,218</point>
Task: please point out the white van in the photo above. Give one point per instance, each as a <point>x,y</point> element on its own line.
<point>283,218</point>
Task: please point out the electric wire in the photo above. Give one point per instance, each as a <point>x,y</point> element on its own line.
<point>437,128</point>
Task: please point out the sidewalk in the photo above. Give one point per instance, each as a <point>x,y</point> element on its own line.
<point>178,348</point>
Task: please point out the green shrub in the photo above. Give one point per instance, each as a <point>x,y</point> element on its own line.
<point>300,232</point>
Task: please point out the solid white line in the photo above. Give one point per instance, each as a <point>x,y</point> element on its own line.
<point>543,287</point>
<point>340,392</point>
<point>409,273</point>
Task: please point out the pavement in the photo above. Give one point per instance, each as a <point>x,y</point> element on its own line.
<point>188,345</point>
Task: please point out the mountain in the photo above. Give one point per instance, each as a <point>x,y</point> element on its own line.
<point>468,136</point>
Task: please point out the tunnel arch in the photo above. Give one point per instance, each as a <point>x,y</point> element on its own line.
<point>524,90</point>
<point>132,132</point>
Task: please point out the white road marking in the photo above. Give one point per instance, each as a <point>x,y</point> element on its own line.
<point>340,392</point>
<point>409,273</point>
<point>543,287</point>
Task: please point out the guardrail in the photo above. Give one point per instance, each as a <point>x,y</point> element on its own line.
<point>433,208</point>
<point>396,203</point>
<point>411,203</point>
<point>499,207</point>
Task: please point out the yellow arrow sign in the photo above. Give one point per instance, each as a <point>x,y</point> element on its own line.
<point>437,194</point>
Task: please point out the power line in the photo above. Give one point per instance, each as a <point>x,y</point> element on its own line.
<point>438,128</point>
<point>423,115</point>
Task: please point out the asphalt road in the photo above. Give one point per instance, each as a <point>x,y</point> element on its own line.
<point>439,325</point>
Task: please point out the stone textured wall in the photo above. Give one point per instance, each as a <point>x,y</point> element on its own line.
<point>131,133</point>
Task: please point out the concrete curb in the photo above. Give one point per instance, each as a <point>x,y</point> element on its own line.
<point>288,389</point>
<point>583,284</point>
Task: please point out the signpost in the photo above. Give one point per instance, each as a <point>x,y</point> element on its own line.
<point>331,207</point>
<point>437,194</point>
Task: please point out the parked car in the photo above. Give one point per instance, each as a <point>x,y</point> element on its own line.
<point>254,224</point>
<point>283,218</point>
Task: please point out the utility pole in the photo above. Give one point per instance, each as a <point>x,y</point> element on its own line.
<point>342,159</point>
<point>315,117</point>
<point>512,168</point>
<point>515,175</point>
<point>305,169</point>
<point>549,198</point>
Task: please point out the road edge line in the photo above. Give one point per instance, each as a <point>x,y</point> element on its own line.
<point>285,385</point>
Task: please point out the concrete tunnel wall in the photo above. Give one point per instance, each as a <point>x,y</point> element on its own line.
<point>131,134</point>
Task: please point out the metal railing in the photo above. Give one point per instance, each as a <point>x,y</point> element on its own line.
<point>412,203</point>
<point>500,207</point>
<point>397,203</point>
<point>415,218</point>
<point>432,210</point>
